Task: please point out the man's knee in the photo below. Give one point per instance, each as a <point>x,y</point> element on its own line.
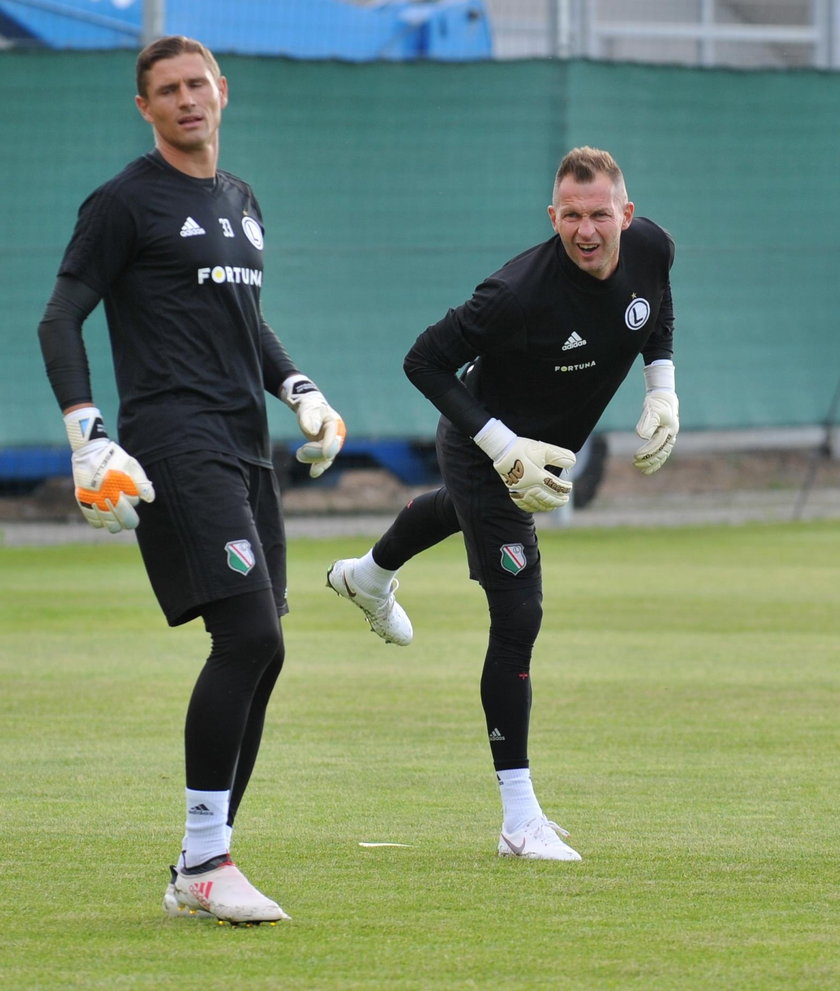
<point>515,615</point>
<point>260,645</point>
<point>245,628</point>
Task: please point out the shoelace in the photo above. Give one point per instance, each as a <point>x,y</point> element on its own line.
<point>553,825</point>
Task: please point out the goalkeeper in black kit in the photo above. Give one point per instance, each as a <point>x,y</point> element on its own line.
<point>521,374</point>
<point>174,247</point>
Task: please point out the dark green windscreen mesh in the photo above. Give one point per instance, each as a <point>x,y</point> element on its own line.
<point>390,190</point>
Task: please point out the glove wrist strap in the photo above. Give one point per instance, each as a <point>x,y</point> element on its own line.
<point>659,376</point>
<point>294,388</point>
<point>494,438</point>
<point>83,426</point>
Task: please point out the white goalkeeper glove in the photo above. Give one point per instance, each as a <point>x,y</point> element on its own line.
<point>659,423</point>
<point>319,423</point>
<point>521,463</point>
<point>109,483</point>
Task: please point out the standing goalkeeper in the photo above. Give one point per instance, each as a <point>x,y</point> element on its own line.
<point>174,247</point>
<point>545,343</point>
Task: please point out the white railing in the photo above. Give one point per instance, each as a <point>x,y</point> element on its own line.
<point>695,32</point>
<point>733,33</point>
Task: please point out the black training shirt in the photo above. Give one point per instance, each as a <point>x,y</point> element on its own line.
<point>547,344</point>
<point>179,264</point>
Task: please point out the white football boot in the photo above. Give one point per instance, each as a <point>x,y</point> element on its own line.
<point>537,840</point>
<point>222,892</point>
<point>386,616</point>
<point>178,904</point>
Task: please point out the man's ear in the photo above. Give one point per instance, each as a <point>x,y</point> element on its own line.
<point>142,105</point>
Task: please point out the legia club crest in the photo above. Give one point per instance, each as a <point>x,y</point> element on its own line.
<point>240,556</point>
<point>513,558</point>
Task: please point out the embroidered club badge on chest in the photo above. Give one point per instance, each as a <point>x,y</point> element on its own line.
<point>637,313</point>
<point>513,558</point>
<point>240,556</point>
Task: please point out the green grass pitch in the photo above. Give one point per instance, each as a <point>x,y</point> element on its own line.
<point>685,729</point>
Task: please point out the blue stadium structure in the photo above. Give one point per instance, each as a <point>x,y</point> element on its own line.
<point>392,30</point>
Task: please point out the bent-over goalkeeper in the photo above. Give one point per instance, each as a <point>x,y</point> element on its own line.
<point>521,374</point>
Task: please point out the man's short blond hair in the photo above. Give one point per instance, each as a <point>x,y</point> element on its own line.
<point>584,164</point>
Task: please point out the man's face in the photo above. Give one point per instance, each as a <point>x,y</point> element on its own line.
<point>589,217</point>
<point>184,102</point>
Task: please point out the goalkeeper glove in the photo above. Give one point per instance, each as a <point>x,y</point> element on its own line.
<point>659,423</point>
<point>319,423</point>
<point>521,463</point>
<point>109,483</point>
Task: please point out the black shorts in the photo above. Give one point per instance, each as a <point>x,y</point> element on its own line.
<point>501,539</point>
<point>215,530</point>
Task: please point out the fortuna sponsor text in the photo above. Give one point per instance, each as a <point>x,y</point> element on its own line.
<point>230,273</point>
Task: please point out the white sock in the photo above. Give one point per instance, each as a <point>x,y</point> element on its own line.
<point>207,832</point>
<point>370,578</point>
<point>519,803</point>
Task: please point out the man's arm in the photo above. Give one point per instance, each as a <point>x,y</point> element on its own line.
<point>109,483</point>
<point>659,423</point>
<point>432,365</point>
<point>660,344</point>
<point>476,327</point>
<point>319,423</point>
<point>60,336</point>
<point>277,363</point>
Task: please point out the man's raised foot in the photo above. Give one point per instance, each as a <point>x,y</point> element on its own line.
<point>386,616</point>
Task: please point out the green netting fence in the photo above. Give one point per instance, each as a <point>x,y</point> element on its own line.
<point>390,190</point>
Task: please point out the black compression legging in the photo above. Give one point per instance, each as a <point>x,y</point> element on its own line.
<point>226,714</point>
<point>515,619</point>
<point>424,522</point>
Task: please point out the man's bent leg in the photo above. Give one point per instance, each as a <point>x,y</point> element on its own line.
<point>422,523</point>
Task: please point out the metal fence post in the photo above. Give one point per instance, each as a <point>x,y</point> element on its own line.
<point>154,20</point>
